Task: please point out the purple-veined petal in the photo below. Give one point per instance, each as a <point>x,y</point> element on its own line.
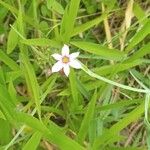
<point>57,56</point>
<point>74,55</point>
<point>66,70</point>
<point>65,50</point>
<point>75,64</point>
<point>57,66</point>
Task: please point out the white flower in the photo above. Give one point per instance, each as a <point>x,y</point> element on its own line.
<point>65,61</point>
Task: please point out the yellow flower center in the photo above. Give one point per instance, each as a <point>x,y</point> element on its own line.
<point>65,59</point>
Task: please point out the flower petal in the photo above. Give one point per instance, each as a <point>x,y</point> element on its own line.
<point>66,70</point>
<point>75,64</point>
<point>74,55</point>
<point>65,50</point>
<point>57,66</point>
<point>57,56</point>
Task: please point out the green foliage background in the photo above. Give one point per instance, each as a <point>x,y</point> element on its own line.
<point>102,106</point>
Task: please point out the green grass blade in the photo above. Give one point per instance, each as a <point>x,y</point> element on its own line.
<point>87,119</point>
<point>32,83</point>
<point>139,13</point>
<point>74,89</point>
<point>54,5</point>
<point>83,89</point>
<point>110,54</point>
<point>52,133</point>
<point>88,25</point>
<point>139,36</point>
<point>16,12</point>
<point>12,39</point>
<point>9,7</point>
<point>5,132</point>
<point>116,128</point>
<point>118,67</point>
<point>12,92</point>
<point>47,86</point>
<point>68,20</point>
<point>140,53</point>
<point>89,72</point>
<point>41,42</point>
<point>8,61</point>
<point>33,142</point>
<point>6,104</point>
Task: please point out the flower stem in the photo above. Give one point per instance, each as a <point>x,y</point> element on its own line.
<point>92,74</point>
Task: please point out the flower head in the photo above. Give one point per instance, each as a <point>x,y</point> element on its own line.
<point>65,61</point>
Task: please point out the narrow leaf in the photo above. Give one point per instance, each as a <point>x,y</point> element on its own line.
<point>98,49</point>
<point>53,133</point>
<point>140,53</point>
<point>87,119</point>
<point>139,36</point>
<point>83,27</point>
<point>74,89</point>
<point>12,39</point>
<point>40,42</point>
<point>33,142</point>
<point>116,128</point>
<point>68,20</point>
<point>8,61</point>
<point>32,83</point>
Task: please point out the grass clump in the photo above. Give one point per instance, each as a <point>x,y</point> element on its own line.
<point>102,105</point>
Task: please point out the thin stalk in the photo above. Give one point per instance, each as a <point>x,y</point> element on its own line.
<point>94,75</point>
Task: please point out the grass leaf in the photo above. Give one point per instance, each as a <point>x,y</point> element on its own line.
<point>40,42</point>
<point>87,119</point>
<point>139,36</point>
<point>68,20</point>
<point>8,61</point>
<point>12,39</point>
<point>74,89</point>
<point>33,142</point>
<point>140,53</point>
<point>110,54</point>
<point>52,133</point>
<point>5,132</point>
<point>32,83</point>
<point>116,128</point>
<point>83,27</point>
